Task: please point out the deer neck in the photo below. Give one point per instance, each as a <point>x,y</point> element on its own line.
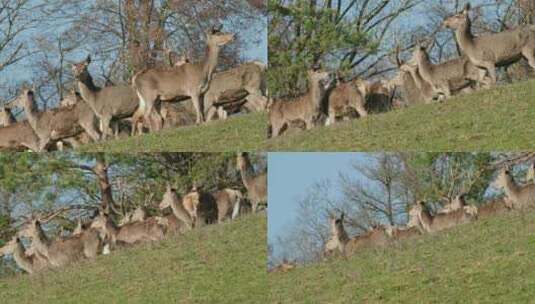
<point>41,243</point>
<point>425,219</point>
<point>247,175</point>
<point>417,78</point>
<point>317,93</point>
<point>424,66</point>
<point>31,113</point>
<point>210,62</point>
<point>464,36</point>
<point>88,90</point>
<point>511,189</point>
<point>22,260</point>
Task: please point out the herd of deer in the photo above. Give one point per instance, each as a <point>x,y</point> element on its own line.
<point>420,79</point>
<point>101,234</point>
<point>140,104</point>
<point>421,220</point>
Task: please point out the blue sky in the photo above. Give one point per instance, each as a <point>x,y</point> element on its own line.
<point>291,174</point>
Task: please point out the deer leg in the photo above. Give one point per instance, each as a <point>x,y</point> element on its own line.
<point>211,113</point>
<point>491,70</point>
<point>197,100</point>
<point>236,209</point>
<point>529,54</point>
<point>43,142</point>
<point>89,127</point>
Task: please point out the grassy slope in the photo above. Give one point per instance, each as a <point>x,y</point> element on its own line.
<point>217,264</point>
<point>490,261</point>
<point>240,133</point>
<point>499,119</point>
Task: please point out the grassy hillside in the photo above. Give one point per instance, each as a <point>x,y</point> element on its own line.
<point>238,133</point>
<point>217,264</point>
<point>490,261</point>
<point>502,118</point>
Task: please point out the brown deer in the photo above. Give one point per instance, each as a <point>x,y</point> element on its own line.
<point>249,77</point>
<point>449,76</point>
<point>131,233</point>
<point>18,136</point>
<point>306,108</point>
<point>111,102</point>
<point>57,124</point>
<point>201,206</point>
<point>62,252</point>
<point>171,199</point>
<point>228,203</point>
<point>432,224</point>
<point>344,97</point>
<point>189,79</point>
<point>516,196</point>
<point>492,50</point>
<point>340,241</point>
<point>256,184</point>
<point>30,263</point>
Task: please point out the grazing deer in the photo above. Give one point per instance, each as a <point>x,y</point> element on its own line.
<point>346,96</point>
<point>6,117</point>
<point>440,222</point>
<point>306,108</point>
<point>516,196</point>
<point>171,199</point>
<point>111,102</point>
<point>30,263</point>
<point>148,230</point>
<point>493,50</point>
<point>62,252</point>
<point>57,123</point>
<point>444,78</point>
<point>189,79</point>
<point>256,184</point>
<point>201,207</point>
<point>249,77</point>
<point>228,203</point>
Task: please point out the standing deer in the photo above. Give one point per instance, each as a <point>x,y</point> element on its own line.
<point>306,108</point>
<point>516,196</point>
<point>440,222</point>
<point>228,203</point>
<point>56,124</point>
<point>492,50</point>
<point>62,252</point>
<point>201,207</point>
<point>111,102</point>
<point>447,77</point>
<point>256,184</point>
<point>346,96</point>
<point>29,263</point>
<point>171,199</point>
<point>189,79</point>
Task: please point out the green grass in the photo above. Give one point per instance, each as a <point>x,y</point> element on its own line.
<point>238,133</point>
<point>217,264</point>
<point>500,119</point>
<point>489,261</point>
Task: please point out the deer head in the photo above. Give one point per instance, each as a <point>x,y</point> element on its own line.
<point>458,20</point>
<point>79,70</point>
